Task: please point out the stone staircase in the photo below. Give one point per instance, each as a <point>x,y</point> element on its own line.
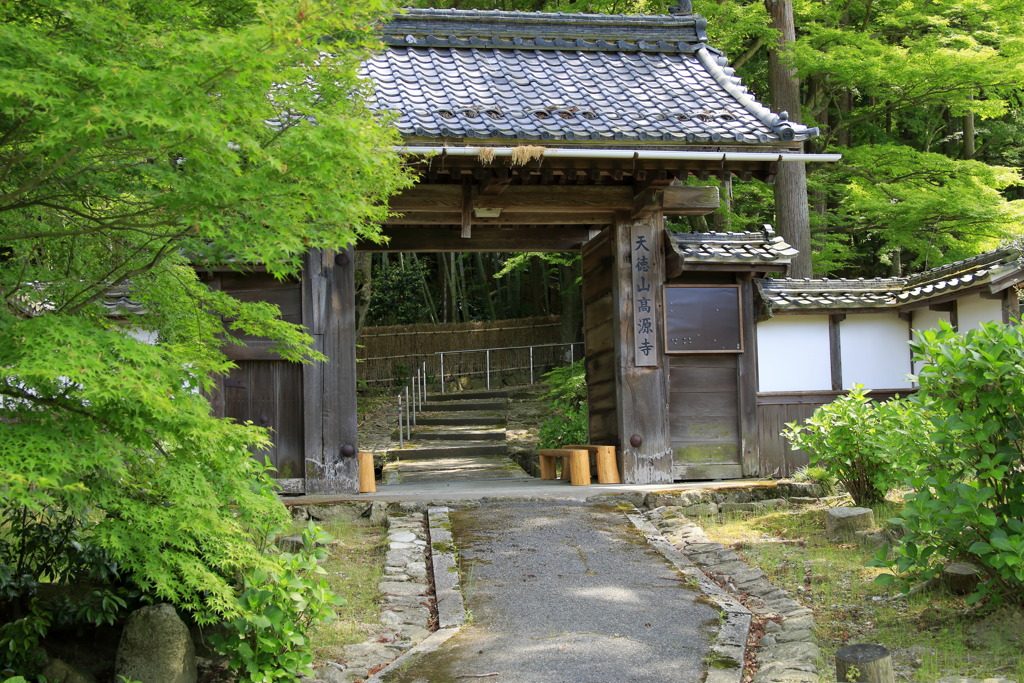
<point>458,436</point>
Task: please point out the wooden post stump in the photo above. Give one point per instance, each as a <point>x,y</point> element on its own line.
<point>864,663</point>
<point>579,467</point>
<point>367,478</point>
<point>961,578</point>
<point>547,467</point>
<point>605,462</point>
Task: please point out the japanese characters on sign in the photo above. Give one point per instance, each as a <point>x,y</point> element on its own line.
<point>645,338</point>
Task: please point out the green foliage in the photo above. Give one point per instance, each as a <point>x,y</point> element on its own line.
<point>568,423</point>
<point>270,638</point>
<point>969,499</point>
<point>397,294</point>
<point>851,439</point>
<point>135,137</point>
<point>915,209</point>
<point>825,480</point>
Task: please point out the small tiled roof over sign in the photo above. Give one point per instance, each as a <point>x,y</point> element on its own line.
<point>576,79</point>
<point>993,271</point>
<point>764,251</point>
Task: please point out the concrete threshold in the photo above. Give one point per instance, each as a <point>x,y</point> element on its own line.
<point>511,489</point>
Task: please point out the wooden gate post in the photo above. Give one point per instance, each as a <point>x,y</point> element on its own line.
<point>641,381</point>
<point>329,388</point>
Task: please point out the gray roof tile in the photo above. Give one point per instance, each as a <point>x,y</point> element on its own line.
<point>732,248</point>
<point>990,268</point>
<point>625,78</point>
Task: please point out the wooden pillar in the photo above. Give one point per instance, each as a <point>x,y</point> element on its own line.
<point>747,381</point>
<point>641,381</point>
<point>329,388</point>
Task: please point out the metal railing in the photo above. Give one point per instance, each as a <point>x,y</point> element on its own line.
<point>413,394</point>
<point>532,363</point>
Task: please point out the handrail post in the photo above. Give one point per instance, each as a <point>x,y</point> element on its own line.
<point>531,365</point>
<point>423,394</point>
<point>415,382</point>
<point>401,436</point>
<point>442,372</point>
<point>488,365</point>
<point>570,353</point>
<point>408,423</point>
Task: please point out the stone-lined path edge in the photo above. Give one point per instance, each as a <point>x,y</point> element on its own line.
<point>784,654</point>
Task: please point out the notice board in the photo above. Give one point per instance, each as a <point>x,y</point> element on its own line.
<point>703,319</point>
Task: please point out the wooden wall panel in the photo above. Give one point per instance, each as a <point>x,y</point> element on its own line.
<point>776,460</point>
<point>704,416</point>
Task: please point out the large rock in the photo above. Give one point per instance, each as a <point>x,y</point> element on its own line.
<point>841,523</point>
<point>156,647</point>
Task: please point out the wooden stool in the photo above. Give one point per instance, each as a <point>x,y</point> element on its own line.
<point>607,467</point>
<point>575,464</point>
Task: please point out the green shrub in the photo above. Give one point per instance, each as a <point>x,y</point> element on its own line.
<point>269,640</point>
<point>968,502</point>
<point>568,400</point>
<point>851,439</point>
<point>827,483</point>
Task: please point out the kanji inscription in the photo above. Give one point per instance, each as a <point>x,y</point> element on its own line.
<point>645,337</point>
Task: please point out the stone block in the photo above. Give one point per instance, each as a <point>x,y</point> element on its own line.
<point>156,647</point>
<point>843,522</point>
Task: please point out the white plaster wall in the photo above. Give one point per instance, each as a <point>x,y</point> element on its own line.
<point>924,319</point>
<point>874,351</point>
<point>145,336</point>
<point>792,353</point>
<point>972,310</point>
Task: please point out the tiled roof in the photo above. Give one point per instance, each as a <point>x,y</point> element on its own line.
<point>488,75</point>
<point>732,248</point>
<point>991,268</point>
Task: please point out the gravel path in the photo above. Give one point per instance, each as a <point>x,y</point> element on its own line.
<point>567,592</point>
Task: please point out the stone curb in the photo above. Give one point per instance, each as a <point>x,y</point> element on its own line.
<point>786,653</point>
<point>451,612</point>
<point>730,642</point>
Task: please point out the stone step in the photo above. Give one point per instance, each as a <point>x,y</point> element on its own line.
<point>459,419</point>
<point>472,406</point>
<point>450,450</point>
<point>458,435</point>
<point>470,395</point>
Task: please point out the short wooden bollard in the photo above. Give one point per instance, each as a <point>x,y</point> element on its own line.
<point>607,467</point>
<point>864,663</point>
<point>367,478</point>
<point>575,464</point>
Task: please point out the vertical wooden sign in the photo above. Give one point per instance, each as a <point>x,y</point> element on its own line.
<point>645,337</point>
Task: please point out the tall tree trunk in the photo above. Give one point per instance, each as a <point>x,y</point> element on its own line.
<point>572,303</point>
<point>364,287</point>
<point>428,299</point>
<point>968,151</point>
<point>485,286</point>
<point>792,214</point>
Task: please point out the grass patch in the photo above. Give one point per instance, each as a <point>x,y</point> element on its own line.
<point>354,568</point>
<point>932,634</point>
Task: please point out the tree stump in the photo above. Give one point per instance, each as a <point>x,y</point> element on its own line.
<point>843,522</point>
<point>864,663</point>
<point>961,578</point>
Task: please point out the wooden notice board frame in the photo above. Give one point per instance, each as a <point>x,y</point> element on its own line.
<point>703,319</point>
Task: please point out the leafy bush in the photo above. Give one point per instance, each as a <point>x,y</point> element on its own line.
<point>269,640</point>
<point>568,400</point>
<point>968,502</point>
<point>826,482</point>
<point>851,439</point>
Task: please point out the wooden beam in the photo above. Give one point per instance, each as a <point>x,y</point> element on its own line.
<point>521,198</point>
<point>454,218</point>
<point>835,350</point>
<point>467,208</point>
<point>747,381</point>
<point>676,201</point>
<point>485,238</point>
<point>496,183</point>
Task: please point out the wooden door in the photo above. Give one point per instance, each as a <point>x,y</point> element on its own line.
<point>268,393</point>
<point>704,416</point>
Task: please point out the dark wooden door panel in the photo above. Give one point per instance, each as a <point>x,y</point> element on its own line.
<point>269,394</point>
